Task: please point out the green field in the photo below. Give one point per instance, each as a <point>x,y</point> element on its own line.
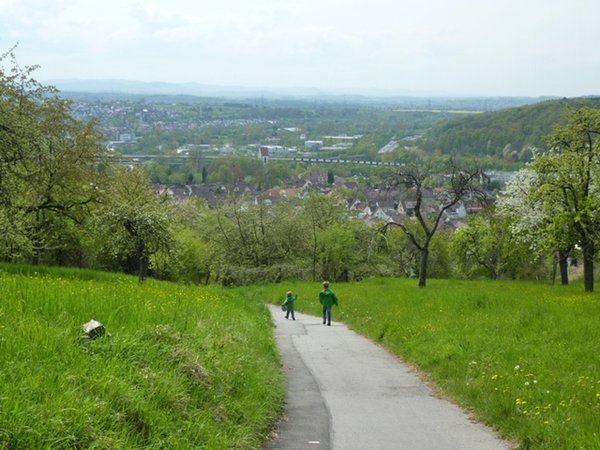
<point>189,367</point>
<point>523,357</point>
<point>183,367</point>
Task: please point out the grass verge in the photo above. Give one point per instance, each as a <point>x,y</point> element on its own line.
<point>183,367</point>
<point>522,356</point>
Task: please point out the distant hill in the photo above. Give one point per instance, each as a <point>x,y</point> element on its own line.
<point>191,92</point>
<point>508,133</point>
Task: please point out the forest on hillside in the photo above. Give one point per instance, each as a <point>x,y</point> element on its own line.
<point>510,134</point>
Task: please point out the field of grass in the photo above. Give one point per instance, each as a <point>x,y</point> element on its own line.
<point>183,367</point>
<point>523,357</point>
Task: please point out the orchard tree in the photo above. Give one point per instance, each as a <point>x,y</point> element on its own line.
<point>133,221</point>
<point>404,256</point>
<point>49,163</point>
<point>319,212</point>
<point>487,246</point>
<point>343,249</point>
<point>569,176</point>
<point>250,233</point>
<point>460,183</point>
<point>538,221</point>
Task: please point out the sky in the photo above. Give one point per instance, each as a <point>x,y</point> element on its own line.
<point>428,47</point>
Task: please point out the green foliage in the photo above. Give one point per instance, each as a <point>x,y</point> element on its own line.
<point>341,248</point>
<point>507,134</point>
<point>186,260</point>
<point>49,167</point>
<point>182,367</point>
<point>569,175</point>
<point>133,223</point>
<point>520,356</point>
<point>61,202</point>
<point>404,257</point>
<point>487,247</point>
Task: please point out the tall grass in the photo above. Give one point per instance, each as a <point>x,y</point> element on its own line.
<point>183,367</point>
<point>524,357</point>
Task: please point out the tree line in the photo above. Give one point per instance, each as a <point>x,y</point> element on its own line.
<point>63,202</point>
<point>509,134</point>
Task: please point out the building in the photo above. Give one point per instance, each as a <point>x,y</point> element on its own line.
<point>314,146</point>
<point>263,154</point>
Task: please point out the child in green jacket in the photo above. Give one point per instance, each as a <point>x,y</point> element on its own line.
<point>289,302</point>
<point>327,298</point>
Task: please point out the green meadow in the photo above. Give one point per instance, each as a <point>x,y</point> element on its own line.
<point>197,367</point>
<point>522,357</point>
<point>180,367</point>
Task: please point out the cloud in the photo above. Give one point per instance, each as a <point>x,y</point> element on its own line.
<point>460,46</point>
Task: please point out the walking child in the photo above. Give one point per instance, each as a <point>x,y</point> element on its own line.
<point>327,298</point>
<point>289,302</point>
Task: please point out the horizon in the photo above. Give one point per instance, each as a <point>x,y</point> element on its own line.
<point>165,88</point>
<point>463,49</point>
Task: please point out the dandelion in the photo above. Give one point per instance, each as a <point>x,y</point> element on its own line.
<point>527,383</point>
<point>517,368</point>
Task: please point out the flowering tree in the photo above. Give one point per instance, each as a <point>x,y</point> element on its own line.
<point>536,221</point>
<point>49,165</point>
<point>133,222</point>
<point>569,179</point>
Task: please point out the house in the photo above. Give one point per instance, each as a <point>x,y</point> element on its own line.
<point>409,207</point>
<point>282,193</point>
<point>473,207</point>
<point>457,211</point>
<point>313,145</point>
<point>318,178</point>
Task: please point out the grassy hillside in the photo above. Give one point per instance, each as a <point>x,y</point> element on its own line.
<point>183,367</point>
<point>489,133</point>
<point>523,356</point>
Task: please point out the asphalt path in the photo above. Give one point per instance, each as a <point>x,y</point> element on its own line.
<point>345,392</point>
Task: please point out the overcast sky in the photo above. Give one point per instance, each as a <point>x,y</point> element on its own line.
<point>461,47</point>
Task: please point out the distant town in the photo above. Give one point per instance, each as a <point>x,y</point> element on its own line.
<point>179,134</point>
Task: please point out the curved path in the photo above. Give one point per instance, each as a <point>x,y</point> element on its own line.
<point>344,392</point>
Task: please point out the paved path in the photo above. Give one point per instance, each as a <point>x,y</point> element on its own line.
<point>346,393</point>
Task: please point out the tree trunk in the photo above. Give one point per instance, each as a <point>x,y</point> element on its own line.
<point>144,263</point>
<point>588,266</point>
<point>423,271</point>
<point>563,262</point>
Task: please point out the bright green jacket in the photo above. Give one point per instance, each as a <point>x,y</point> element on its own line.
<point>327,298</point>
<point>290,301</point>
